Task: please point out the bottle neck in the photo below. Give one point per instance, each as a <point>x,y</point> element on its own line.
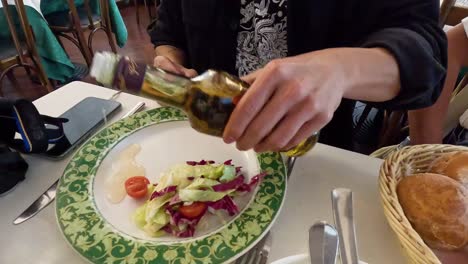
<point>165,87</point>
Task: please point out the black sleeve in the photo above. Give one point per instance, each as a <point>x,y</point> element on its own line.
<point>169,29</point>
<point>409,30</point>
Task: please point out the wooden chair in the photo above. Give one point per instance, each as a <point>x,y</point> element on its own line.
<point>78,19</point>
<point>15,53</point>
<point>455,11</point>
<point>148,8</point>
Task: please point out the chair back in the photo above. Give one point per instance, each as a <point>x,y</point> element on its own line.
<point>105,14</point>
<point>13,33</point>
<point>455,11</point>
<point>30,42</point>
<point>445,8</point>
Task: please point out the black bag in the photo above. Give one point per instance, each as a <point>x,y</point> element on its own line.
<point>12,169</point>
<point>36,132</point>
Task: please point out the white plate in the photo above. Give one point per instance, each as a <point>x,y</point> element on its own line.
<point>103,232</point>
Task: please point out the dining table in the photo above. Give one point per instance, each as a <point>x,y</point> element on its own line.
<point>56,62</point>
<point>308,197</point>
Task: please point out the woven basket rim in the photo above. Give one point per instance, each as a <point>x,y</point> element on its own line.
<point>416,250</point>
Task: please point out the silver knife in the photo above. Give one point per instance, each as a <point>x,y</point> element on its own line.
<point>342,203</point>
<point>41,202</point>
<point>323,243</point>
<point>138,107</point>
<point>48,196</point>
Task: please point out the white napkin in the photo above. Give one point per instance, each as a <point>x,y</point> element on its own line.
<point>299,259</point>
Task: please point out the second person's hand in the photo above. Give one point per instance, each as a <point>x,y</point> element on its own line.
<point>167,64</point>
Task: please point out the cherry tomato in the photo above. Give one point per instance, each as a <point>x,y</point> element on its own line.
<point>137,186</point>
<point>193,211</point>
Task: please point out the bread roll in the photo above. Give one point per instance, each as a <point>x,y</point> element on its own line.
<point>453,165</point>
<point>437,207</point>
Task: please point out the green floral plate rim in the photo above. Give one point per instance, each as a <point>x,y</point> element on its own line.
<point>98,242</point>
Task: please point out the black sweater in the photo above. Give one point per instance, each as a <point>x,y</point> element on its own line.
<point>206,30</point>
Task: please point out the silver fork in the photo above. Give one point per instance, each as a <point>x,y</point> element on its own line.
<point>258,254</point>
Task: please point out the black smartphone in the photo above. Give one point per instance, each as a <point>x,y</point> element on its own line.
<point>84,118</point>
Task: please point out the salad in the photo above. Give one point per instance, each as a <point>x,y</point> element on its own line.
<point>185,194</point>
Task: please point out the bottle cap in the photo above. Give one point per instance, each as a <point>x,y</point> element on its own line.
<point>103,67</point>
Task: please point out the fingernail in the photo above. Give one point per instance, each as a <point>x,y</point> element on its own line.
<point>229,140</point>
<point>258,149</point>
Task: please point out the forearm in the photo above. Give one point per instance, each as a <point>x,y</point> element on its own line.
<point>371,74</point>
<point>426,125</point>
<point>176,55</point>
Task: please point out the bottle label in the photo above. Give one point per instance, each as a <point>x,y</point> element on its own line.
<point>129,75</point>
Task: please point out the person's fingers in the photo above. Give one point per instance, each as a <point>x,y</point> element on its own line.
<point>168,65</point>
<point>281,102</point>
<point>282,133</point>
<point>310,112</point>
<point>190,73</point>
<point>250,78</point>
<point>250,104</point>
<point>304,132</point>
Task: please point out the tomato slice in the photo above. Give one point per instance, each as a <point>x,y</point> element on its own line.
<point>137,186</point>
<point>194,210</point>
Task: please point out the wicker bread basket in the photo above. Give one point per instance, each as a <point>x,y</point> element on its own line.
<point>401,163</point>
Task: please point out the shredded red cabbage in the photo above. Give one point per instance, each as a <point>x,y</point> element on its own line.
<point>201,162</point>
<point>181,226</point>
<point>177,221</point>
<point>187,232</point>
<point>225,203</point>
<point>174,216</point>
<point>168,189</point>
<point>174,200</point>
<point>233,184</point>
<point>247,187</point>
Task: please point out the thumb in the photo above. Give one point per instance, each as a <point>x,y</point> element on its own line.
<point>167,65</point>
<point>190,73</point>
<point>250,78</point>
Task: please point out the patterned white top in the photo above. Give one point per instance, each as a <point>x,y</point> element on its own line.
<point>262,36</point>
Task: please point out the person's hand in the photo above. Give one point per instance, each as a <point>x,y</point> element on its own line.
<point>167,64</point>
<point>288,100</point>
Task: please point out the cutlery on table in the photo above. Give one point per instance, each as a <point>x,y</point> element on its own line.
<point>138,107</point>
<point>323,243</point>
<point>115,95</point>
<point>342,203</point>
<point>290,165</point>
<point>48,196</point>
<point>259,253</point>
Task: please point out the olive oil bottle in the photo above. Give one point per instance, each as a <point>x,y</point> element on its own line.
<point>207,99</point>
